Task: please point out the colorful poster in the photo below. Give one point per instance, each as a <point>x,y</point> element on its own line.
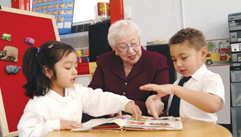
<point>61,9</point>
<point>219,52</point>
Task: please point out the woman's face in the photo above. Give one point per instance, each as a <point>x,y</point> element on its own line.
<point>128,48</point>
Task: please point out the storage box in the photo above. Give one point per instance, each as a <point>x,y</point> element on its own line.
<point>236,57</point>
<point>80,42</point>
<point>236,94</point>
<point>77,40</point>
<point>234,25</point>
<point>234,16</point>
<point>235,75</point>
<point>235,36</point>
<point>236,47</point>
<point>236,121</point>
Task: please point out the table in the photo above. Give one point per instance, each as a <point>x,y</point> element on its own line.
<point>191,128</point>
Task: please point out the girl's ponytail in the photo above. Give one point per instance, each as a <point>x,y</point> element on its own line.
<point>34,73</point>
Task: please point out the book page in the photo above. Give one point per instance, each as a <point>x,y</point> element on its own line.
<point>163,123</point>
<point>144,123</point>
<point>119,120</point>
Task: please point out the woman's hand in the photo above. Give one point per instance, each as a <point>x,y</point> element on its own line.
<point>154,107</point>
<point>68,125</point>
<point>133,109</point>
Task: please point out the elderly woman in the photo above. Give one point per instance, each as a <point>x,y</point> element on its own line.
<point>127,68</point>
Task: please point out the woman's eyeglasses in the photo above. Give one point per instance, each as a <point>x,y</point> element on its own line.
<point>125,47</point>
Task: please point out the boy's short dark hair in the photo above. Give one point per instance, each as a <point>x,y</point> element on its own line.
<point>194,37</point>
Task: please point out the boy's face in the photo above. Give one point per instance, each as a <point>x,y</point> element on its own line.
<point>187,60</point>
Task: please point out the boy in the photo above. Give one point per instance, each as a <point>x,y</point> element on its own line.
<point>203,94</point>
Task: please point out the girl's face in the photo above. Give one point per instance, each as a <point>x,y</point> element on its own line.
<point>66,73</point>
<point>129,55</point>
<point>187,60</point>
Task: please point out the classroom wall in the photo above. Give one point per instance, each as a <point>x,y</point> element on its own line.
<point>6,3</point>
<point>163,18</point>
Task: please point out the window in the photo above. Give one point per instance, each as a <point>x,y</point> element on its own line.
<point>86,10</point>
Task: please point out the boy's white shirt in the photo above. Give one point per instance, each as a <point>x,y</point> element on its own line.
<point>43,114</point>
<point>202,80</point>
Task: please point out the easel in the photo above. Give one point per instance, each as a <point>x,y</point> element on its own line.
<point>20,24</point>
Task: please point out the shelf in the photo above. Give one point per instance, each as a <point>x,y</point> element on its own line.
<point>236,62</point>
<point>235,42</point>
<point>236,29</point>
<point>234,21</point>
<point>235,52</point>
<point>235,66</point>
<point>88,56</point>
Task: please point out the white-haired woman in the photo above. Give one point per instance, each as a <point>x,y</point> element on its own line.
<point>129,66</point>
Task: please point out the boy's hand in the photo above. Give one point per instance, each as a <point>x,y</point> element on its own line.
<point>162,90</point>
<point>133,109</point>
<point>154,108</point>
<point>68,125</point>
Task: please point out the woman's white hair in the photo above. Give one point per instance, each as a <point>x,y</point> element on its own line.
<point>120,28</point>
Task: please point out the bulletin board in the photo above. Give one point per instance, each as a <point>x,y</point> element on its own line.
<point>19,24</point>
<point>63,11</point>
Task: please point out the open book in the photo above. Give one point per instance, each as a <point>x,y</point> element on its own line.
<point>127,122</point>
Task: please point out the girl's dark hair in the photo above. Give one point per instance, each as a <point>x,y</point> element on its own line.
<point>33,61</point>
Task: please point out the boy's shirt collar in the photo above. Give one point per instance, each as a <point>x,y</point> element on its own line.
<point>201,71</point>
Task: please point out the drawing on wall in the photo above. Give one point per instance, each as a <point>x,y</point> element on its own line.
<point>219,52</point>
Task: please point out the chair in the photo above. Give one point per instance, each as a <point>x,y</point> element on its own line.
<point>165,51</point>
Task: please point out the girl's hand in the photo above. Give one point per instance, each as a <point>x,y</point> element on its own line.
<point>68,125</point>
<point>117,114</point>
<point>133,109</point>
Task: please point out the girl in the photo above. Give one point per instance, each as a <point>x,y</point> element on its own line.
<point>56,102</point>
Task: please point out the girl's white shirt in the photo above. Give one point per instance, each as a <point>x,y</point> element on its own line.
<point>42,114</point>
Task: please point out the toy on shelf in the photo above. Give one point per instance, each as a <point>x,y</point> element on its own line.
<point>6,36</point>
<point>9,53</point>
<point>29,40</point>
<point>10,69</point>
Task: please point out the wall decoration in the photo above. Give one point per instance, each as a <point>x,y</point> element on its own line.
<point>6,36</point>
<point>10,69</point>
<point>29,40</point>
<point>61,9</point>
<point>219,52</point>
<point>9,53</point>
